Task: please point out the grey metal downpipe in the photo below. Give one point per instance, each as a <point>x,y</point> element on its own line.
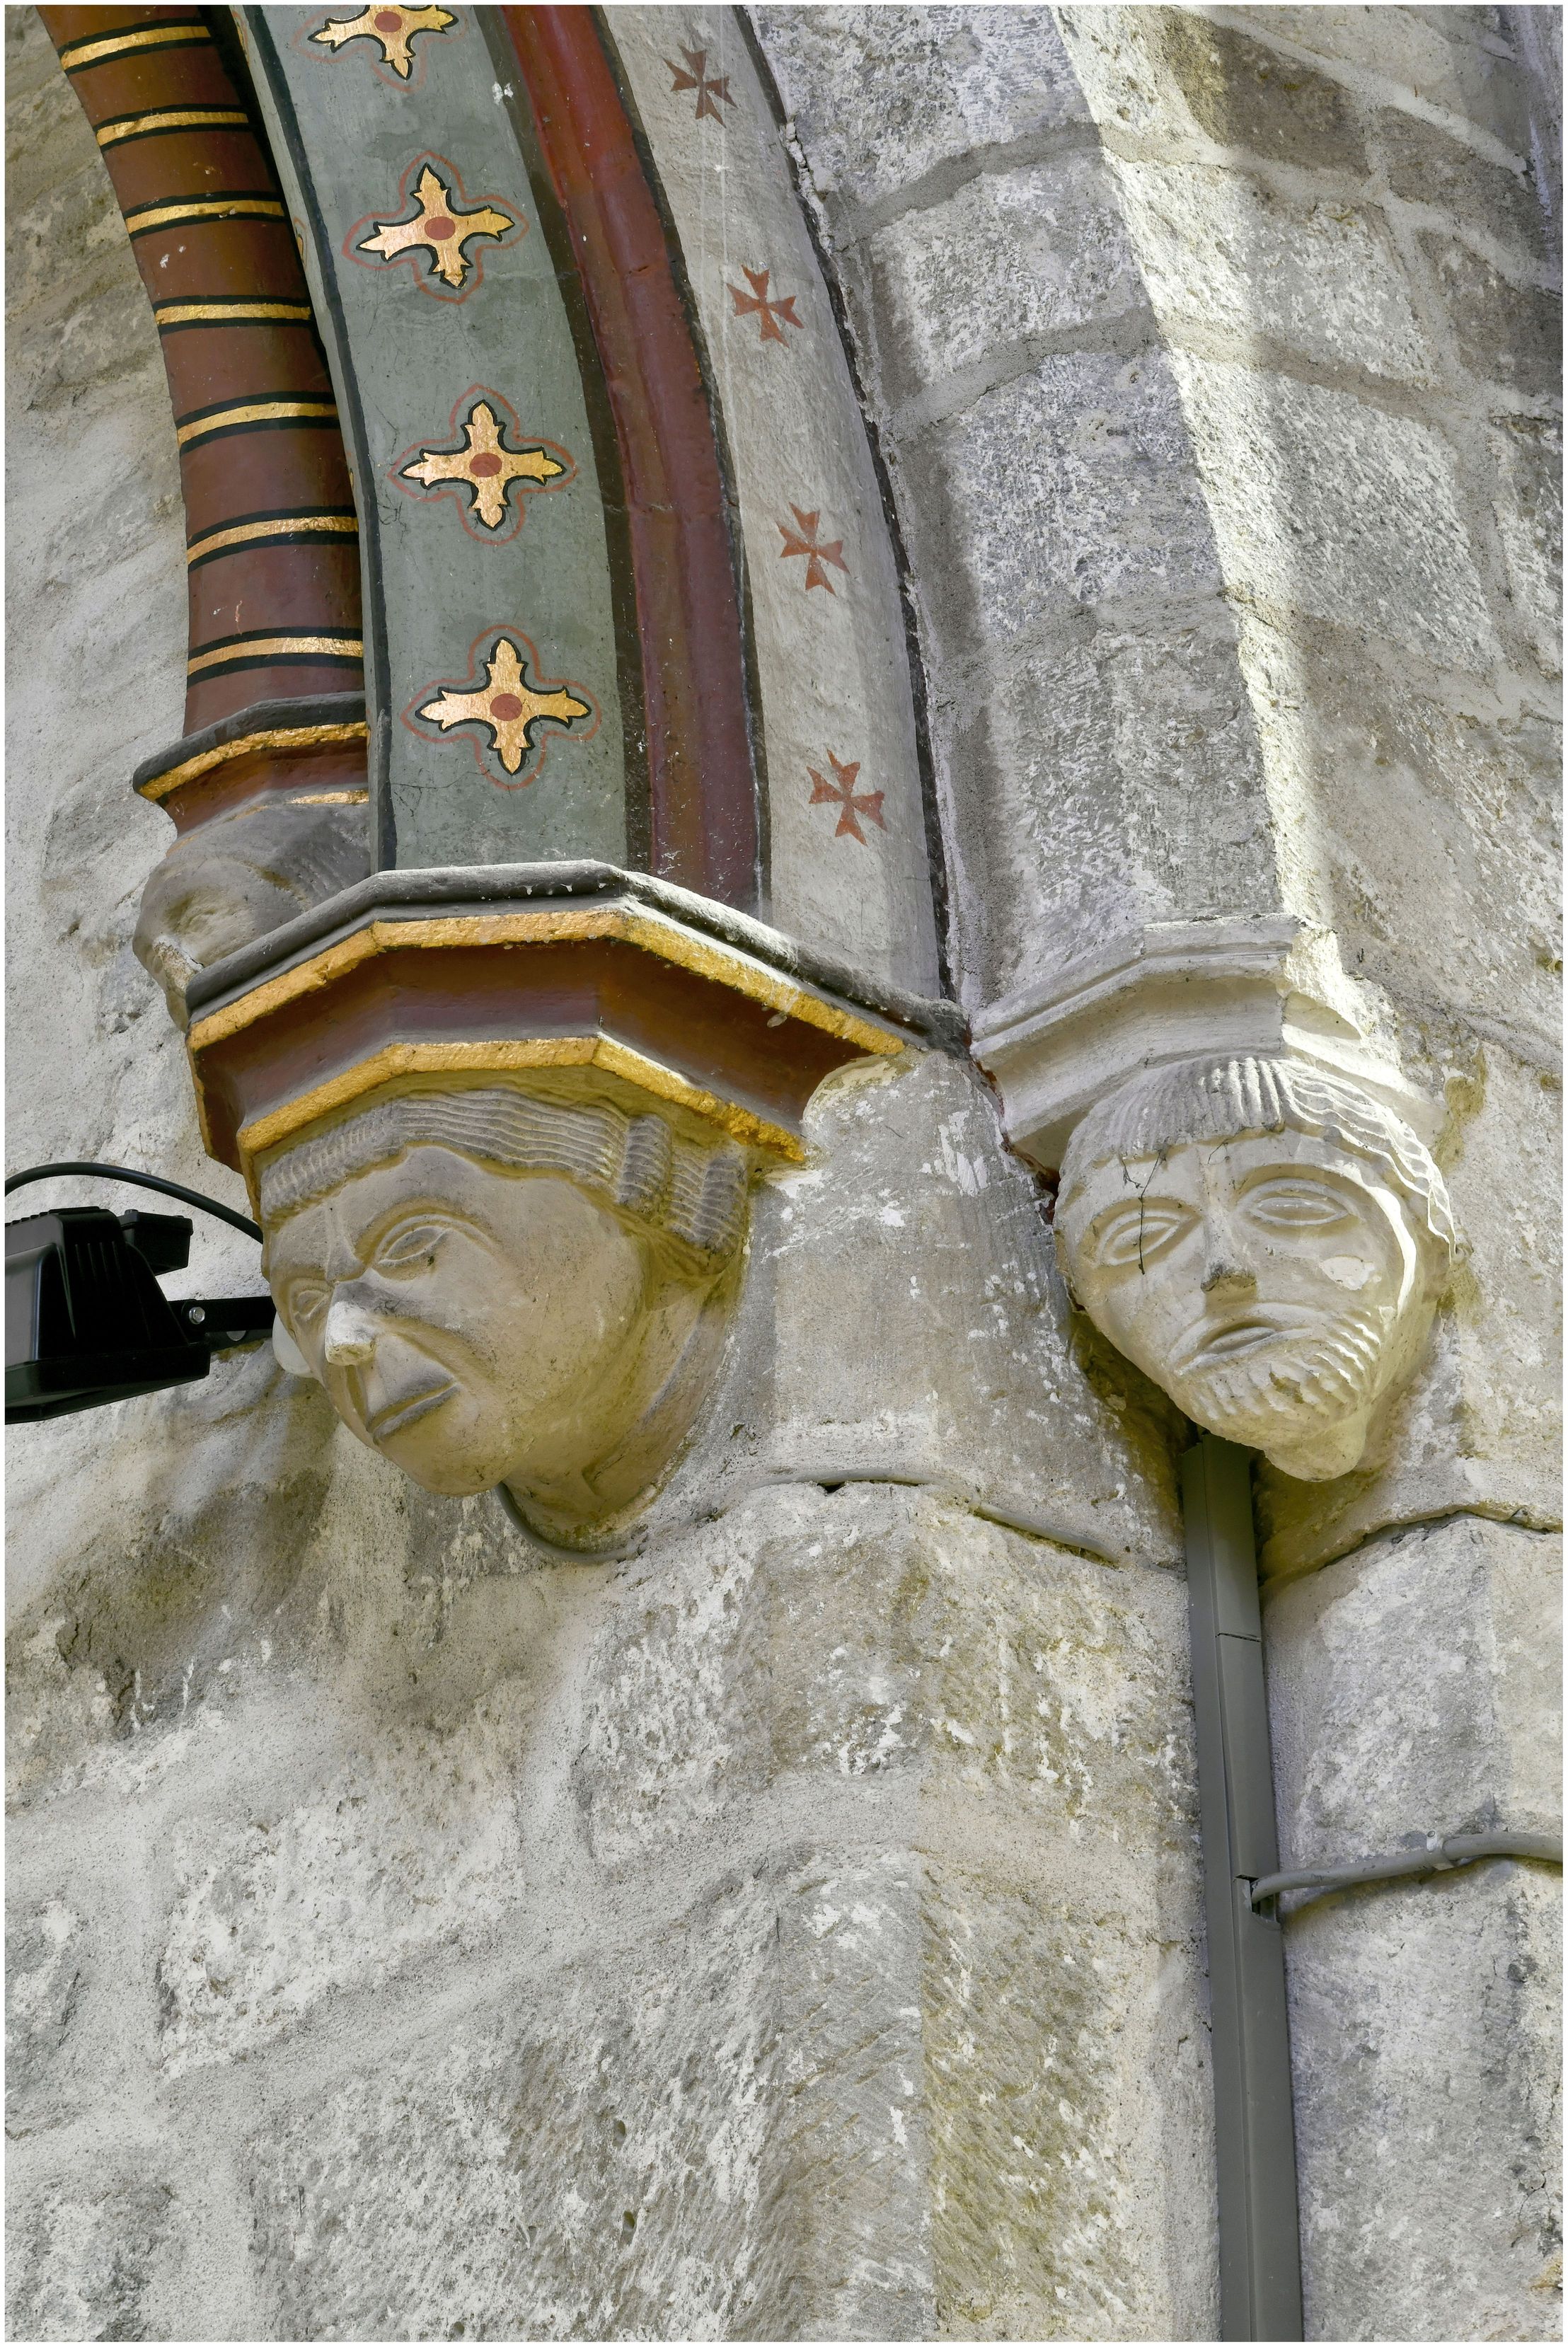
<point>1260,2243</point>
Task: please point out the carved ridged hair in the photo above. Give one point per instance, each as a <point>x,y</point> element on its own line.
<point>1215,1101</point>
<point>696,1196</point>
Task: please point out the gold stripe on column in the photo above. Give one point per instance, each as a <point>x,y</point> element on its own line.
<point>76,55</point>
<point>184,117</point>
<point>249,533</point>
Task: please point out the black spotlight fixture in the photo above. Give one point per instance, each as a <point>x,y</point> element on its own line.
<point>85,1320</point>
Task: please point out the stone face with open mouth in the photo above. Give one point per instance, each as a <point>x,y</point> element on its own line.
<point>497,1287</point>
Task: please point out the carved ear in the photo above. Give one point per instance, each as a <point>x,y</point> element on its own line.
<point>288,1354</point>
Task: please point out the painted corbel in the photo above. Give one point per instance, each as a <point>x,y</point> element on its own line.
<point>500,1129</point>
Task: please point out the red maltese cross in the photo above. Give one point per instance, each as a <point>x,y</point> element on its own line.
<point>851,804</point>
<point>768,310</point>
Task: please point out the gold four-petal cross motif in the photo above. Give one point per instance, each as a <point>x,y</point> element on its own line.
<point>508,704</point>
<point>393,26</point>
<point>486,466</point>
<point>439,225</point>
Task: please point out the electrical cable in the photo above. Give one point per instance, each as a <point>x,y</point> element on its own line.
<point>1439,1857</point>
<point>142,1181</point>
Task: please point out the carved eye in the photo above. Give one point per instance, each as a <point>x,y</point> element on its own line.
<point>305,1299</point>
<point>1293,1205</point>
<point>1138,1232</point>
<point>411,1248</point>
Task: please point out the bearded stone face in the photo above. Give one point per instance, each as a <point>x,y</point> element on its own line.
<point>474,1327</point>
<point>1272,1286</point>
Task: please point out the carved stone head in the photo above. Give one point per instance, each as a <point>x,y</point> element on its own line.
<point>1265,1242</point>
<point>505,1286</point>
<point>237,876</point>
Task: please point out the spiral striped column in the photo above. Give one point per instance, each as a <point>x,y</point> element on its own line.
<point>272,535</point>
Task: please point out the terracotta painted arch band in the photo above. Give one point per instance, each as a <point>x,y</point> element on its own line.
<point>702,788</point>
<point>268,504</point>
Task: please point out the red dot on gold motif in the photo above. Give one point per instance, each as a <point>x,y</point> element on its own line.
<point>484,466</point>
<point>505,706</point>
<point>439,225</point>
<point>389,21</point>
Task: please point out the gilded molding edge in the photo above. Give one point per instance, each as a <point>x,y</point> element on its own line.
<point>284,738</point>
<point>648,931</point>
<point>470,1057</point>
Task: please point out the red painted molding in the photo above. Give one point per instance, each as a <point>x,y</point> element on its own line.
<point>702,788</point>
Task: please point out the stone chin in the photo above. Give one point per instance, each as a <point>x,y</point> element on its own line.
<point>500,1286</point>
<point>1268,1243</point>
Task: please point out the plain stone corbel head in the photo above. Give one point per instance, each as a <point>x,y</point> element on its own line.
<point>1267,1243</point>
<point>239,875</point>
<point>509,1284</point>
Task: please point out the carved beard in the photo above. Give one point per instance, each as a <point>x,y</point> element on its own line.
<point>1328,1373</point>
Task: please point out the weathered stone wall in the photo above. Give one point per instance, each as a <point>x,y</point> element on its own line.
<point>1214,357</point>
<point>792,1929</point>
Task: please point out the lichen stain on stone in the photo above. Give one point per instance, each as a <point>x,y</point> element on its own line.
<point>1020,2076</point>
<point>152,1615</point>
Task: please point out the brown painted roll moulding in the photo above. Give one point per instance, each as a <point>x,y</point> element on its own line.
<point>268,790</point>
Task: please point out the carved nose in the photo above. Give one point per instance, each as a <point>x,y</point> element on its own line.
<point>1229,1279</point>
<point>351,1334</point>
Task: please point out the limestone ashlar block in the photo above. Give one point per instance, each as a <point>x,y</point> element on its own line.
<point>918,1228</point>
<point>1427,805</point>
<point>993,1689</point>
<point>1425,2029</point>
<point>1005,1709</point>
<point>88,2254</point>
<point>1070,485</point>
<point>1231,255</point>
<point>1115,787</point>
<point>1453,60</point>
<point>988,80</point>
<point>1326,507</point>
<point>1414,1688</point>
<point>1052,231</point>
<point>1505,331</point>
<point>1428,165</point>
<point>1527,454</point>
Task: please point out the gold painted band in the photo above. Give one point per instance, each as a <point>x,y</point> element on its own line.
<point>159,36</point>
<point>255,411</point>
<point>275,648</point>
<point>184,117</point>
<point>231,314</point>
<point>651,932</point>
<point>395,1059</point>
<point>218,208</point>
<point>251,533</point>
<point>329,798</point>
<point>284,739</point>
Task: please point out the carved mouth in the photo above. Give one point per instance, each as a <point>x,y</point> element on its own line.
<point>1211,1347</point>
<point>398,1415</point>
